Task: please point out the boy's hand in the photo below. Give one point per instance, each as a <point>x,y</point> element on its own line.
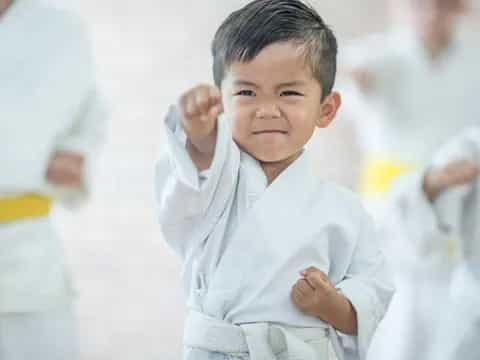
<point>455,173</point>
<point>314,295</point>
<point>65,168</point>
<point>199,108</point>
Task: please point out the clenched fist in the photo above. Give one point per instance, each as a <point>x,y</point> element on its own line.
<point>65,168</point>
<point>199,108</point>
<point>314,295</point>
<point>455,173</point>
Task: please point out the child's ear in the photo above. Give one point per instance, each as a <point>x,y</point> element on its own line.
<point>329,108</point>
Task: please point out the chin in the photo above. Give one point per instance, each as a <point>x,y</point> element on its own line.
<point>272,158</point>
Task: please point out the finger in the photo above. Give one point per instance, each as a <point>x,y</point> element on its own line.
<point>202,101</point>
<point>215,111</point>
<point>310,269</point>
<point>463,174</point>
<point>470,171</point>
<point>304,287</point>
<point>318,280</point>
<point>69,156</point>
<point>190,108</point>
<point>297,297</point>
<point>294,298</point>
<point>63,178</point>
<point>313,270</point>
<point>183,104</point>
<point>65,168</point>
<point>215,95</point>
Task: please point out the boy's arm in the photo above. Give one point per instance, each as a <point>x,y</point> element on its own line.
<point>190,200</point>
<point>367,285</point>
<point>199,109</point>
<point>358,303</point>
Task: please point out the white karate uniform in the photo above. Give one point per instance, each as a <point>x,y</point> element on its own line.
<point>48,102</point>
<point>413,108</point>
<point>445,234</point>
<point>243,244</point>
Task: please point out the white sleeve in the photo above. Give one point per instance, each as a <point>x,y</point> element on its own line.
<point>87,118</point>
<point>85,136</point>
<point>190,202</point>
<point>412,218</point>
<point>427,226</point>
<point>369,287</point>
<point>449,205</point>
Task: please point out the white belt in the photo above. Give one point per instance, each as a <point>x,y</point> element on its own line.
<point>256,341</point>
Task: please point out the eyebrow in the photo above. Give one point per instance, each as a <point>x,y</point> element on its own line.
<point>291,83</point>
<point>281,85</point>
<point>244,83</point>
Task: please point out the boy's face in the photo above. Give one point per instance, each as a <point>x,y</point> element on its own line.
<point>274,103</point>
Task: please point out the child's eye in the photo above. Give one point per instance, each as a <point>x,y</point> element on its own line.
<point>245,93</point>
<point>290,93</point>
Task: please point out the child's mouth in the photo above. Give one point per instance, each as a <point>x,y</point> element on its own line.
<point>269,131</point>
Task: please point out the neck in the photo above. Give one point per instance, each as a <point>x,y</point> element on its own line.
<point>4,4</point>
<point>273,169</point>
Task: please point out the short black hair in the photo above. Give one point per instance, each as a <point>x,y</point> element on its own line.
<point>260,23</point>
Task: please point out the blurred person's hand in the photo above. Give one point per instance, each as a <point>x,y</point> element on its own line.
<point>199,108</point>
<point>455,173</point>
<point>363,78</point>
<point>66,169</point>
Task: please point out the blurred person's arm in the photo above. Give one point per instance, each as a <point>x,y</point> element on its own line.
<point>455,173</point>
<point>70,170</point>
<point>71,164</point>
<point>427,207</point>
<point>371,67</point>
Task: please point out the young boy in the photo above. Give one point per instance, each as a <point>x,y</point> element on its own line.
<point>240,205</point>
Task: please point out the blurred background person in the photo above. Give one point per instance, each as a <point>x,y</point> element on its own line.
<point>51,124</point>
<point>435,207</point>
<point>412,88</point>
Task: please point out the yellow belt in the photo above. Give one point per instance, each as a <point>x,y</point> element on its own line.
<point>25,206</point>
<point>380,172</point>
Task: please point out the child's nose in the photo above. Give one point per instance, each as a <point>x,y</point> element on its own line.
<point>268,110</point>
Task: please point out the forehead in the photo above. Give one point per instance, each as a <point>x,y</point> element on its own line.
<point>278,62</point>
